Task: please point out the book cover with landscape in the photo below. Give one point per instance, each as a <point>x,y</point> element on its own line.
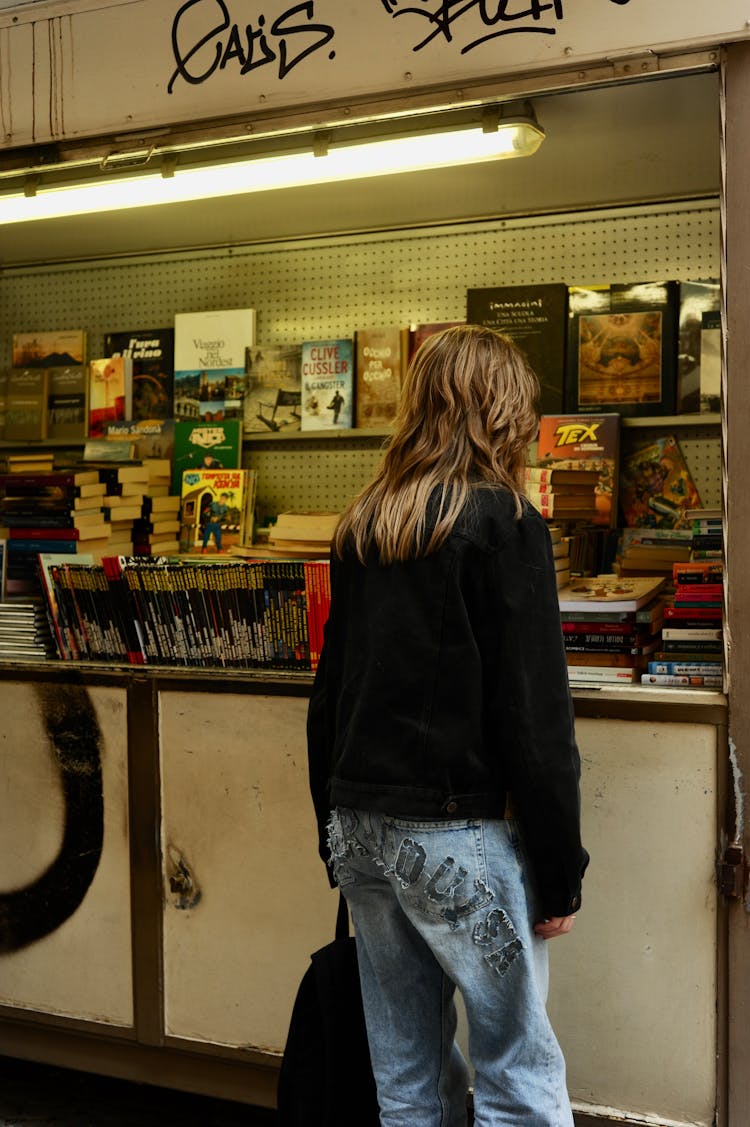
<point>274,388</point>
<point>59,348</point>
<point>327,384</point>
<point>622,348</point>
<point>536,319</point>
<point>152,354</point>
<point>584,442</point>
<point>209,363</point>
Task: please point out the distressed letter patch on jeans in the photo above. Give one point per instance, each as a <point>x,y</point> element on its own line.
<point>438,905</point>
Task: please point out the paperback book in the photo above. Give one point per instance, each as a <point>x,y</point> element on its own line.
<point>274,388</point>
<point>699,358</point>
<point>381,359</point>
<point>213,512</point>
<point>535,318</point>
<point>49,349</point>
<point>67,403</point>
<point>26,404</point>
<point>151,352</point>
<point>209,363</point>
<point>205,446</point>
<point>609,593</point>
<point>656,486</point>
<point>148,438</point>
<point>327,384</point>
<point>110,393</point>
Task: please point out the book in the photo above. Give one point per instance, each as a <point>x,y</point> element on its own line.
<point>535,318</point>
<point>151,352</point>
<point>698,375</point>
<point>656,486</point>
<point>622,348</point>
<point>149,438</point>
<point>213,509</point>
<point>208,446</point>
<point>274,388</point>
<point>553,506</point>
<point>687,680</point>
<point>209,363</point>
<point>602,675</point>
<point>687,668</point>
<point>609,593</point>
<point>26,404</point>
<point>110,393</point>
<point>327,384</point>
<point>49,349</point>
<point>554,478</point>
<point>575,443</point>
<point>381,356</point>
<point>67,402</point>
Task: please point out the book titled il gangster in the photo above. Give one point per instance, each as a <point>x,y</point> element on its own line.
<point>584,442</point>
<point>209,363</point>
<point>152,354</point>
<point>327,384</point>
<point>622,348</point>
<point>535,318</point>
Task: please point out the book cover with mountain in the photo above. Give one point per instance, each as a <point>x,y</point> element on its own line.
<point>209,363</point>
<point>622,348</point>
<point>536,319</point>
<point>207,446</point>
<point>152,354</point>
<point>274,388</point>
<point>327,384</point>
<point>49,349</point>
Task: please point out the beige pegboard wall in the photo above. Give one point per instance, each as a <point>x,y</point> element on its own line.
<point>330,287</point>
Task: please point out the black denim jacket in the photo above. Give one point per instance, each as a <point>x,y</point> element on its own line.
<point>442,688</point>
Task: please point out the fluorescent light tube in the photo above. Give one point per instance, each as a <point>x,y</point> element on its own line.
<point>350,162</point>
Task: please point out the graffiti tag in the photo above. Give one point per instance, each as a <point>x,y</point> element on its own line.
<point>222,42</point>
<point>496,18</point>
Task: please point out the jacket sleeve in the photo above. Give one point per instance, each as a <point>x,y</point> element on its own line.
<point>533,714</point>
<point>319,739</point>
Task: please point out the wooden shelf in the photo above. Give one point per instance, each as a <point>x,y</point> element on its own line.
<point>709,419</point>
<point>348,435</point>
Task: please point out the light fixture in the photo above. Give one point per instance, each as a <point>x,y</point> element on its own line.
<point>501,134</point>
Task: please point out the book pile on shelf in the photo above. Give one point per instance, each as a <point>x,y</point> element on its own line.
<point>302,535</point>
<point>233,614</point>
<point>560,554</point>
<point>50,512</point>
<point>610,626</point>
<point>24,631</point>
<point>562,494</point>
<point>652,551</point>
<point>692,648</point>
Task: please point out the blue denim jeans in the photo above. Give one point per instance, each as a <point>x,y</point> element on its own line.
<point>440,905</point>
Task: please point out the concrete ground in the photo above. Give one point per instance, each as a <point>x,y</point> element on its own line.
<point>39,1095</point>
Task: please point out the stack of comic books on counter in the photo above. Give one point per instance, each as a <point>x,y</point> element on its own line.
<point>610,627</point>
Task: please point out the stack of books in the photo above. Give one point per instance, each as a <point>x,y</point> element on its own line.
<point>305,535</point>
<point>652,551</point>
<point>126,485</point>
<point>562,494</point>
<point>691,653</point>
<point>50,512</point>
<point>156,532</point>
<point>561,555</point>
<point>610,626</point>
<point>707,534</point>
<point>24,632</point>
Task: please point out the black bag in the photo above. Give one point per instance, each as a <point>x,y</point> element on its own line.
<point>326,1077</point>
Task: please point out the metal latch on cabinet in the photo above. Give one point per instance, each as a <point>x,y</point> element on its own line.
<point>732,873</point>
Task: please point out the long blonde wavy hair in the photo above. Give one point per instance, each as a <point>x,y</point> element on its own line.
<point>467,414</point>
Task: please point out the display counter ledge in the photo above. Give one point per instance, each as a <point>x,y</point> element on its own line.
<point>626,701</point>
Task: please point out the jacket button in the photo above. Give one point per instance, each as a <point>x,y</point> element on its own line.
<point>451,807</point>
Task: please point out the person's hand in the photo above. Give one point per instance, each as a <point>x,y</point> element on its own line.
<point>554,926</point>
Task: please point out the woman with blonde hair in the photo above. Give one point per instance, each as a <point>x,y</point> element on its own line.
<point>443,763</point>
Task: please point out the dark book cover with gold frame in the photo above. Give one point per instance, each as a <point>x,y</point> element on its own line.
<point>622,348</point>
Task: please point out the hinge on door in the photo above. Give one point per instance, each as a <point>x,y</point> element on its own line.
<point>732,873</point>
